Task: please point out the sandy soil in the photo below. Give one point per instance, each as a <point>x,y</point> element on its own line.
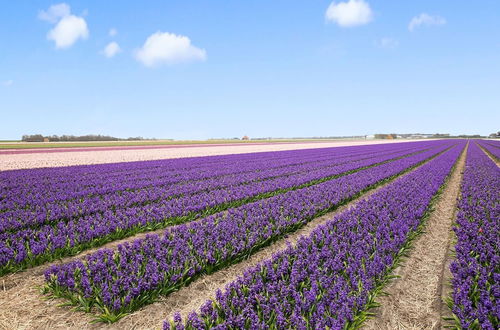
<point>22,306</point>
<point>92,156</point>
<point>415,299</point>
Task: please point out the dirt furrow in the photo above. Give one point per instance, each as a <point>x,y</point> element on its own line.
<point>414,300</point>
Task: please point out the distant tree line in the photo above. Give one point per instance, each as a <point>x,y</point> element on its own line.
<point>466,136</point>
<point>73,138</point>
<point>308,137</point>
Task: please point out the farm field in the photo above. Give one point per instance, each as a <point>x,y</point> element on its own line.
<point>249,165</point>
<point>150,143</point>
<point>292,235</point>
<point>16,158</point>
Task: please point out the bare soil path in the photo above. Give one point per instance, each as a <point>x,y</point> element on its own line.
<point>414,300</point>
<point>23,307</point>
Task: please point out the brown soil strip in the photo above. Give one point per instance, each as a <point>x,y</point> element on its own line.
<point>414,300</point>
<point>23,307</point>
<point>446,288</point>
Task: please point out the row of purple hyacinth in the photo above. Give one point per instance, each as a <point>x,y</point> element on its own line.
<point>493,147</point>
<point>193,197</point>
<point>330,276</point>
<point>72,182</point>
<point>22,217</point>
<point>50,196</point>
<point>32,246</point>
<point>128,169</point>
<point>476,269</point>
<point>68,183</point>
<point>121,281</point>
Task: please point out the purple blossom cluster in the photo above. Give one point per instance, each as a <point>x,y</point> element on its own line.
<point>228,187</point>
<point>492,146</point>
<point>476,268</point>
<point>120,281</point>
<point>329,277</point>
<point>22,246</point>
<point>35,188</point>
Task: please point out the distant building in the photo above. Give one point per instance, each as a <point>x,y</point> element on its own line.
<point>45,139</point>
<point>245,138</point>
<point>385,136</point>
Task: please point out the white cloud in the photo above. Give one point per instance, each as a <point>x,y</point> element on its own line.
<point>69,28</point>
<point>425,20</point>
<point>386,42</point>
<point>168,48</point>
<point>113,32</point>
<point>54,13</point>
<point>111,49</point>
<point>350,13</point>
<point>68,31</point>
<point>7,83</point>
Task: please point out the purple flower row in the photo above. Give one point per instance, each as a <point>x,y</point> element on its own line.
<point>492,146</point>
<point>69,183</point>
<point>72,182</point>
<point>194,197</point>
<point>476,268</point>
<point>38,187</point>
<point>31,246</point>
<point>120,281</point>
<point>330,276</point>
<point>155,196</point>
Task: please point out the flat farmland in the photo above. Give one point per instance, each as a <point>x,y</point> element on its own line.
<point>52,157</point>
<point>255,236</point>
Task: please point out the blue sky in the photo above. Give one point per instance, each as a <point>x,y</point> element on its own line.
<point>259,68</point>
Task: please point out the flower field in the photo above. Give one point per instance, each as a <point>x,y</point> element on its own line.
<point>493,147</point>
<point>118,282</point>
<point>219,211</point>
<point>106,202</point>
<point>476,269</point>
